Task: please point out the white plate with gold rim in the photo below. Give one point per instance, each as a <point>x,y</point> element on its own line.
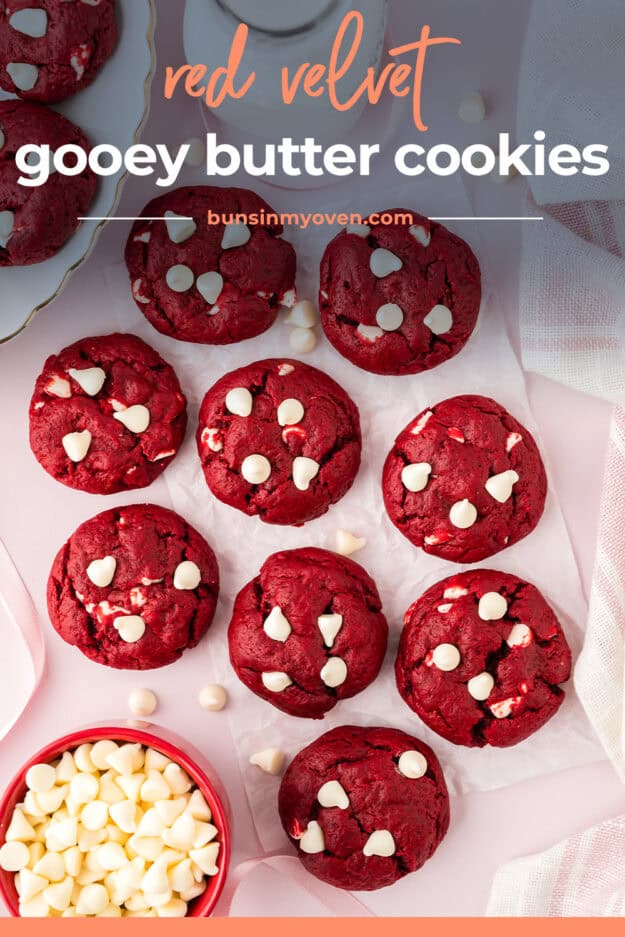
<point>112,110</point>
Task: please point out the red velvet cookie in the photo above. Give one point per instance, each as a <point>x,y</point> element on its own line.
<point>108,414</point>
<point>400,298</point>
<point>133,588</point>
<point>279,439</point>
<point>212,284</point>
<point>481,659</point>
<point>464,480</point>
<point>365,806</point>
<point>54,48</point>
<point>308,632</point>
<point>35,223</point>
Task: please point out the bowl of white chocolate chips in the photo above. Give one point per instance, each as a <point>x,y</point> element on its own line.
<point>114,822</point>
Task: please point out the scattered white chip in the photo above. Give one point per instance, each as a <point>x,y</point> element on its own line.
<point>390,317</point>
<point>236,234</point>
<point>180,278</point>
<point>179,228</point>
<point>142,702</point>
<point>313,841</point>
<point>130,628</point>
<point>40,778</point>
<point>303,341</point>
<point>77,445</point>
<point>463,514</point>
<point>383,263</point>
<point>91,380</point>
<point>213,698</point>
<point>329,626</point>
<point>520,636</point>
<point>30,22</point>
<point>304,471</point>
<point>270,760</point>
<point>420,234</point>
<point>415,477</point>
<point>333,794</point>
<point>23,75</point>
<point>276,626</point>
<point>412,765</point>
<point>276,681</point>
<point>290,412</point>
<point>14,857</point>
<point>505,707</point>
<point>334,673</point>
<point>380,843</point>
<point>370,333</point>
<point>57,386</point>
<point>136,419</point>
<point>492,606</point>
<point>446,657</point>
<point>239,401</point>
<point>439,321</point>
<point>347,543</point>
<point>102,572</point>
<point>303,314</point>
<point>187,576</point>
<point>481,686</point>
<point>256,469</point>
<point>472,109</point>
<point>500,486</point>
<point>210,286</point>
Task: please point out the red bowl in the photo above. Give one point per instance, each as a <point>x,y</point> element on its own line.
<point>150,736</point>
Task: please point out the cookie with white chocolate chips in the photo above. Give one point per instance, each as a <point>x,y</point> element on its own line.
<point>214,283</point>
<point>108,414</point>
<point>133,588</point>
<point>482,658</point>
<point>399,298</point>
<point>464,480</point>
<point>280,440</point>
<point>364,806</point>
<point>56,48</point>
<point>308,631</point>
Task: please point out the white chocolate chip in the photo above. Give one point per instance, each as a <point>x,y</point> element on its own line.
<point>290,412</point>
<point>137,292</point>
<point>420,234</point>
<point>472,109</point>
<point>130,628</point>
<point>455,592</point>
<point>101,572</point>
<point>14,857</point>
<point>500,486</point>
<point>91,380</point>
<point>180,278</point>
<point>276,682</point>
<point>142,702</point>
<point>40,778</point>
<point>412,765</point>
<point>513,440</point>
<point>333,794</point>
<point>439,321</point>
<point>445,608</point>
<point>446,657</point>
<point>416,477</point>
<point>136,419</point>
<point>179,228</point>
<point>303,341</point>
<point>380,843</point>
<point>347,543</point>
<point>59,387</point>
<point>19,829</point>
<point>92,901</point>
<point>329,626</point>
<point>77,445</point>
<point>285,369</point>
<point>370,333</point>
<point>270,760</point>
<point>481,686</point>
<point>463,514</point>
<point>421,423</point>
<point>7,223</point>
<point>256,469</point>
<point>30,22</point>
<point>390,317</point>
<point>236,234</point>
<point>276,626</point>
<point>210,286</point>
<point>206,858</point>
<point>303,314</point>
<point>383,263</point>
<point>492,606</point>
<point>361,230</point>
<point>187,576</point>
<point>304,471</point>
<point>313,841</point>
<point>197,152</point>
<point>23,75</point>
<point>520,636</point>
<point>239,401</point>
<point>213,698</point>
<point>506,707</point>
<point>334,673</point>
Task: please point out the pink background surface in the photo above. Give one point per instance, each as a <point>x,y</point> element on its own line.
<point>36,514</point>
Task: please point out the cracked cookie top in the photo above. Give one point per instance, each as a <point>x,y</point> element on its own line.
<point>465,480</point>
<point>133,588</point>
<point>107,415</point>
<point>308,631</point>
<point>364,806</point>
<point>280,440</point>
<point>399,298</point>
<point>481,659</point>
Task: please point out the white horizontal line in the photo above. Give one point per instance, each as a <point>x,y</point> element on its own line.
<point>489,218</point>
<point>119,218</point>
